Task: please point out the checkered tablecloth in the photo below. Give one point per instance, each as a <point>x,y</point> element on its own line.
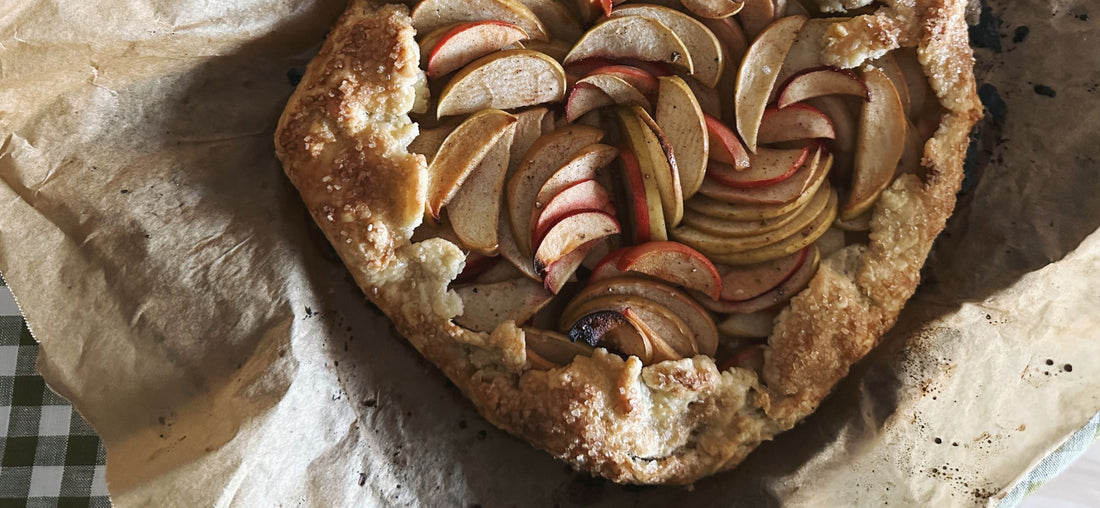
<point>49,456</point>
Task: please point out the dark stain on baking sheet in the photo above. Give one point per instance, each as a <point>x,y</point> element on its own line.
<point>987,33</point>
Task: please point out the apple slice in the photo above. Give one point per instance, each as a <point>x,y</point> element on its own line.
<point>449,48</point>
<point>528,130</point>
<point>747,356</point>
<point>507,79</point>
<point>462,151</point>
<point>806,52</point>
<point>725,147</point>
<point>754,325</point>
<point>585,165</point>
<point>561,271</point>
<point>881,141</point>
<point>758,71</point>
<point>889,66</point>
<point>732,37</point>
<point>632,37</point>
<point>612,330</point>
<point>509,250</point>
<point>740,283</point>
<point>639,78</point>
<point>703,47</point>
<point>487,305</point>
<point>643,200</point>
<point>475,207</point>
<point>476,264</point>
<point>655,159</point>
<point>668,334</point>
<point>845,124</point>
<point>769,166</point>
<point>673,262</point>
<point>680,117</point>
<point>698,320</point>
<point>713,9</point>
<point>583,196</point>
<point>430,15</point>
<point>806,219</point>
<point>795,122</point>
<point>553,346</point>
<point>428,141</point>
<point>723,211</point>
<point>710,99</point>
<point>916,82</point>
<point>571,232</point>
<point>830,241</point>
<point>755,16</point>
<point>600,90</point>
<point>821,81</point>
<point>781,293</point>
<point>554,48</point>
<point>559,22</point>
<point>728,228</point>
<point>791,244</point>
<point>787,190</point>
<point>861,222</point>
<point>592,9</point>
<point>549,153</point>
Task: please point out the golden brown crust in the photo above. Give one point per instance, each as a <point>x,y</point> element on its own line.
<point>342,141</point>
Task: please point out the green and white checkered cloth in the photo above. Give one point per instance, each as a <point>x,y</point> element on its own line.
<point>49,456</point>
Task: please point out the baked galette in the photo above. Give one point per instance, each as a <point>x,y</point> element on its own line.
<point>643,237</point>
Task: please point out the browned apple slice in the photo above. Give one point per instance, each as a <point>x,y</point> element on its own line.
<point>703,47</point>
<point>819,82</point>
<point>755,16</point>
<point>600,90</point>
<point>639,78</point>
<point>475,207</point>
<point>655,159</point>
<point>698,320</point>
<point>754,325</point>
<point>632,37</point>
<point>612,330</point>
<point>582,196</point>
<point>507,79</point>
<point>561,271</point>
<point>740,283</point>
<point>785,291</point>
<point>553,346</point>
<point>713,9</point>
<point>726,227</point>
<point>791,244</point>
<point>487,305</point>
<point>787,190</point>
<point>449,48</point>
<point>721,247</point>
<point>668,334</point>
<point>432,14</point>
<point>571,232</point>
<point>725,147</point>
<point>768,166</point>
<point>881,141</point>
<point>559,22</point>
<point>549,153</point>
<point>462,151</point>
<point>758,71</point>
<point>586,164</point>
<point>795,122</point>
<point>680,117</point>
<point>675,263</point>
<point>647,219</point>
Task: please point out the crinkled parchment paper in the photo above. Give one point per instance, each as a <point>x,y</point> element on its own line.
<point>189,310</point>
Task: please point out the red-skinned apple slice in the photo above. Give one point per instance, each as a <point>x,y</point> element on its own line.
<point>455,47</point>
<point>768,166</point>
<point>430,15</point>
<point>704,48</point>
<point>753,325</point>
<point>571,232</point>
<point>755,16</point>
<point>632,37</point>
<point>639,78</point>
<point>655,159</point>
<point>455,159</point>
<point>713,9</point>
<point>673,262</point>
<point>680,117</point>
<point>881,141</point>
<point>592,9</point>
<point>553,346</point>
<point>475,207</point>
<point>476,264</point>
<point>559,22</point>
<point>585,165</point>
<point>582,100</point>
<point>787,190</point>
<point>549,153</point>
<point>643,200</point>
<point>585,98</point>
<point>781,293</point>
<point>740,283</point>
<point>507,79</point>
<point>698,320</point>
<point>612,330</point>
<point>583,196</point>
<point>758,71</point>
<point>806,52</point>
<point>487,305</point>
<point>559,272</point>
<point>725,147</point>
<point>667,333</point>
<point>795,122</point>
<point>608,266</point>
<point>819,82</point>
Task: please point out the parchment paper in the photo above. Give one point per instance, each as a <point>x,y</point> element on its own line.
<point>190,311</point>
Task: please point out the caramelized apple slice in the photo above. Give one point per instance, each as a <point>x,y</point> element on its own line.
<point>612,330</point>
<point>571,232</point>
<point>615,90</point>
<point>728,228</point>
<point>755,16</point>
<point>586,164</point>
<point>507,79</point>
<point>643,200</point>
<point>785,191</point>
<point>639,78</point>
<point>791,244</point>
<point>666,332</point>
<point>632,37</point>
<point>655,159</point>
<point>430,15</point>
<point>699,322</point>
<point>724,145</point>
<point>758,72</point>
<point>583,196</point>
<point>561,271</point>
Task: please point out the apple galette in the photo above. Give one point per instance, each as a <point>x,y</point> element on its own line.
<point>643,237</point>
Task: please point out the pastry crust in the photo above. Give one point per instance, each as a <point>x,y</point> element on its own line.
<point>343,139</point>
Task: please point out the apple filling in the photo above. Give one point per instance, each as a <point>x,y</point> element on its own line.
<point>657,180</point>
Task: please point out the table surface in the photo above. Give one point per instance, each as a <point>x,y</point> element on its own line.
<point>49,456</point>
